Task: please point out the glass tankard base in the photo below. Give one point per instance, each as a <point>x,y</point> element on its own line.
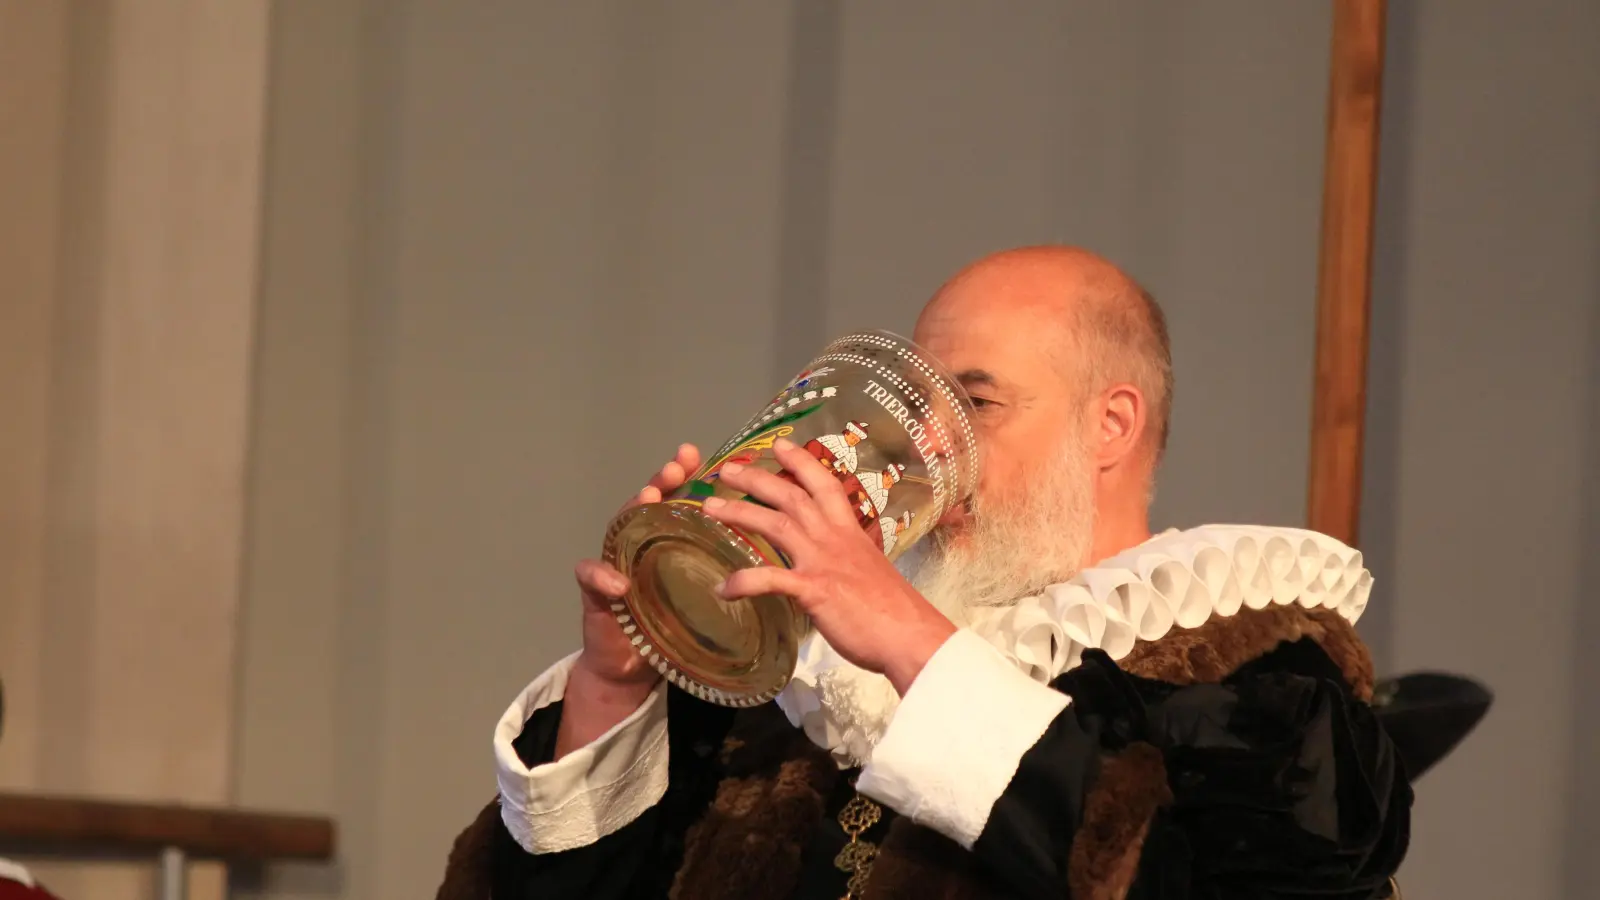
<point>731,653</point>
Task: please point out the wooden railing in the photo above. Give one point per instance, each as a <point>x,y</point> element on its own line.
<point>176,834</point>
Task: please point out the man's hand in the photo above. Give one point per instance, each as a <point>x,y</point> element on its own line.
<point>610,679</point>
<point>856,598</point>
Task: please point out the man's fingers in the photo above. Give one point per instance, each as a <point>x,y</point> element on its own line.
<point>598,578</point>
<point>762,580</point>
<point>675,473</point>
<point>780,529</point>
<point>823,486</point>
<point>688,457</point>
<point>776,492</point>
<point>648,495</point>
<point>669,478</point>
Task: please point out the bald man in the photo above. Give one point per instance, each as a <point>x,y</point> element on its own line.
<point>1049,701</point>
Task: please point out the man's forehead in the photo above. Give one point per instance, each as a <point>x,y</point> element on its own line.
<point>987,346</point>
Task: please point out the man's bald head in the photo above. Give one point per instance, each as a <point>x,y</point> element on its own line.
<point>1101,325</point>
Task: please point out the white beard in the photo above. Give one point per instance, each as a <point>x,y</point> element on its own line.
<point>1010,552</point>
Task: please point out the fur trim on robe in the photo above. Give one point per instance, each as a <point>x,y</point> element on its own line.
<point>468,873</point>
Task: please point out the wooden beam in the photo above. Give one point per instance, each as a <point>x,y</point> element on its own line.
<point>76,826</point>
<point>1344,278</point>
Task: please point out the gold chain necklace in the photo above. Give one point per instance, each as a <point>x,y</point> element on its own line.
<point>857,817</point>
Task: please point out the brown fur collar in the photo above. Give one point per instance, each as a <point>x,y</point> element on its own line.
<point>1217,648</point>
<point>470,869</point>
<point>748,845</point>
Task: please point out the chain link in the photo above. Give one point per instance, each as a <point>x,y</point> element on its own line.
<point>857,857</point>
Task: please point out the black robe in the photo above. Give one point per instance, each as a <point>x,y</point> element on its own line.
<point>1241,761</point>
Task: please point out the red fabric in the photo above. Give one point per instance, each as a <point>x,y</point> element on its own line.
<point>16,890</point>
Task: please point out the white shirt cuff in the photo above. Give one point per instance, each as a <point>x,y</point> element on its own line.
<point>592,791</point>
<point>957,737</point>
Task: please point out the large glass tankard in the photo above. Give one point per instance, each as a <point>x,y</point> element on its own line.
<point>891,425</point>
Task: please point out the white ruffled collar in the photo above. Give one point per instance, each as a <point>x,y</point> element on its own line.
<point>1177,578</point>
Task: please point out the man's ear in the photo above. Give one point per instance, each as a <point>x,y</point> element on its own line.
<point>1119,424</point>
